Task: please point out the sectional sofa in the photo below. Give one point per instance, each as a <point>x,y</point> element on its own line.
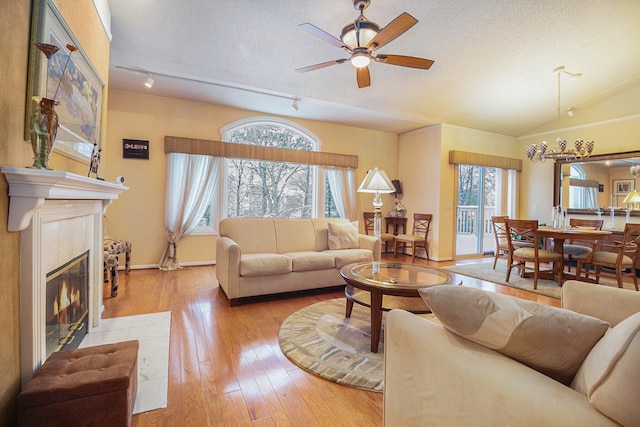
<point>497,360</point>
<point>262,256</point>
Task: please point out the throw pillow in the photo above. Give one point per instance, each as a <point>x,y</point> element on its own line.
<point>553,341</point>
<point>610,375</point>
<point>343,236</point>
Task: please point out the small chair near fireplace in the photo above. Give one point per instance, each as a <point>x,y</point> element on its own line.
<point>112,248</point>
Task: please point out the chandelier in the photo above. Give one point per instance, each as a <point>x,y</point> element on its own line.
<point>581,148</point>
<point>635,170</point>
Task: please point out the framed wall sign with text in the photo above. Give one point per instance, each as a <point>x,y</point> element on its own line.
<point>135,149</point>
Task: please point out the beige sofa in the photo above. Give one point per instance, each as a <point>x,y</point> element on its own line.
<point>261,256</point>
<point>434,377</point>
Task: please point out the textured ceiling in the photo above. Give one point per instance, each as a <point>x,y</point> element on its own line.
<point>493,58</point>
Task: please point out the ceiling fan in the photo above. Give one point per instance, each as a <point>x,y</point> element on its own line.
<point>361,38</point>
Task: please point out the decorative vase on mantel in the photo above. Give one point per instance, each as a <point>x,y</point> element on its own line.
<point>44,130</point>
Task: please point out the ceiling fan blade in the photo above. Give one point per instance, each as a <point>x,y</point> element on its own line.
<point>321,34</point>
<point>321,65</point>
<point>363,76</point>
<point>394,29</point>
<point>405,61</point>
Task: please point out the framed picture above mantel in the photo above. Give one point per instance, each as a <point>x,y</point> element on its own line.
<point>78,90</point>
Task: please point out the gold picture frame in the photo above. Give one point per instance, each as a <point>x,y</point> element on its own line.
<point>80,90</point>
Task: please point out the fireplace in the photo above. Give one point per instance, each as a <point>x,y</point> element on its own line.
<point>59,217</point>
<point>66,307</point>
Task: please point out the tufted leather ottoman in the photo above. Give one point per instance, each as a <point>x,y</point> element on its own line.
<point>92,386</point>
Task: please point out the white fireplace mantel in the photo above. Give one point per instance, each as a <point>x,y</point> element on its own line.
<point>59,216</point>
<point>29,188</point>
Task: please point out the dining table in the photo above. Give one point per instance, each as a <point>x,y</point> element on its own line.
<point>558,235</point>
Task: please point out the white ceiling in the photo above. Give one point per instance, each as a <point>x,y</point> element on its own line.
<point>493,58</point>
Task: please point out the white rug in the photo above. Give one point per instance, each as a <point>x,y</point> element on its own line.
<point>153,332</point>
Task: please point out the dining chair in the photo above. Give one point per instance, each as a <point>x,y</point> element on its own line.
<point>619,256</point>
<point>418,238</point>
<point>501,236</point>
<point>579,248</point>
<point>387,238</point>
<point>524,248</point>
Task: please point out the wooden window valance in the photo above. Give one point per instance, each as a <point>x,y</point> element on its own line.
<point>477,159</point>
<point>174,144</point>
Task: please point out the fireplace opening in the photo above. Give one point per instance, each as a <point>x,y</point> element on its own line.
<point>66,304</point>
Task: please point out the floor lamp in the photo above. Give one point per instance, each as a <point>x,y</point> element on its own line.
<point>376,181</point>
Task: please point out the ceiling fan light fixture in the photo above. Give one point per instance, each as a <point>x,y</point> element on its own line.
<point>360,60</point>
<point>359,33</point>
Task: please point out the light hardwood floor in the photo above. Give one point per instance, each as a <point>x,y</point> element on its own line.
<point>225,365</point>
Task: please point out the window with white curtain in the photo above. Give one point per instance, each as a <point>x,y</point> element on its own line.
<point>259,188</point>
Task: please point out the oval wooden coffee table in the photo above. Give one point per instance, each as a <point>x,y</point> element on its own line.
<point>383,286</point>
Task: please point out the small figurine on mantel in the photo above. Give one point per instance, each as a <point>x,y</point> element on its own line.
<point>95,161</point>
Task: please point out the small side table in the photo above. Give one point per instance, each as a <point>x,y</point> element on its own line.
<point>396,222</point>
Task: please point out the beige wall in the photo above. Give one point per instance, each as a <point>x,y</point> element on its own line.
<point>138,215</point>
<point>14,151</point>
<point>429,179</point>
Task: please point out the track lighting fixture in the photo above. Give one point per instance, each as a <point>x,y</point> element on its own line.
<point>296,104</point>
<point>149,82</point>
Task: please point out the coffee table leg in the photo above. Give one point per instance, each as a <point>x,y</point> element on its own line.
<point>376,319</point>
<point>349,308</point>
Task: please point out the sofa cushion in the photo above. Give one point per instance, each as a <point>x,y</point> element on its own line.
<point>343,236</point>
<point>551,340</point>
<point>348,256</point>
<point>310,260</point>
<point>294,235</point>
<point>610,375</point>
<point>253,265</point>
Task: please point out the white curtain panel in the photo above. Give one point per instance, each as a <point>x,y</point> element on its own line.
<point>192,183</point>
<point>342,182</point>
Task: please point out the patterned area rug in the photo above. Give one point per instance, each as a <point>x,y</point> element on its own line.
<point>320,340</point>
<point>484,271</point>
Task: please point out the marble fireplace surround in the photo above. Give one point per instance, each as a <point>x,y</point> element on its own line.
<point>59,216</point>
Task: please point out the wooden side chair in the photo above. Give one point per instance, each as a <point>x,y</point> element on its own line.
<point>619,256</point>
<point>501,236</point>
<point>419,237</point>
<point>580,249</point>
<point>524,248</point>
<point>115,247</point>
<point>387,238</point>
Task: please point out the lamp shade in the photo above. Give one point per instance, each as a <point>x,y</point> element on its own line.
<point>632,197</point>
<point>376,181</point>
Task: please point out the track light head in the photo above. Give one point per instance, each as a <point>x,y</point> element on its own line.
<point>149,82</point>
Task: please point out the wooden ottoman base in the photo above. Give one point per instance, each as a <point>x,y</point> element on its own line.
<point>92,386</point>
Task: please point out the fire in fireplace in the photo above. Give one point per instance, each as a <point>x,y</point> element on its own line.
<point>66,304</point>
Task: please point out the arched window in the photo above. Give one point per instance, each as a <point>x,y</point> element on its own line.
<point>273,189</point>
<point>259,188</point>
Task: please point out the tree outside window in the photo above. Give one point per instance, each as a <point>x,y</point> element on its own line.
<point>257,188</point>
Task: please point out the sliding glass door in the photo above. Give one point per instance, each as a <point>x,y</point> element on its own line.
<point>479,198</point>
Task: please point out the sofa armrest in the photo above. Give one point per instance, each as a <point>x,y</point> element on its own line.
<point>372,243</point>
<point>436,378</point>
<point>228,255</point>
<point>608,303</point>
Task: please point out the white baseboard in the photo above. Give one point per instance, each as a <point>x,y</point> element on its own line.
<point>183,264</point>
